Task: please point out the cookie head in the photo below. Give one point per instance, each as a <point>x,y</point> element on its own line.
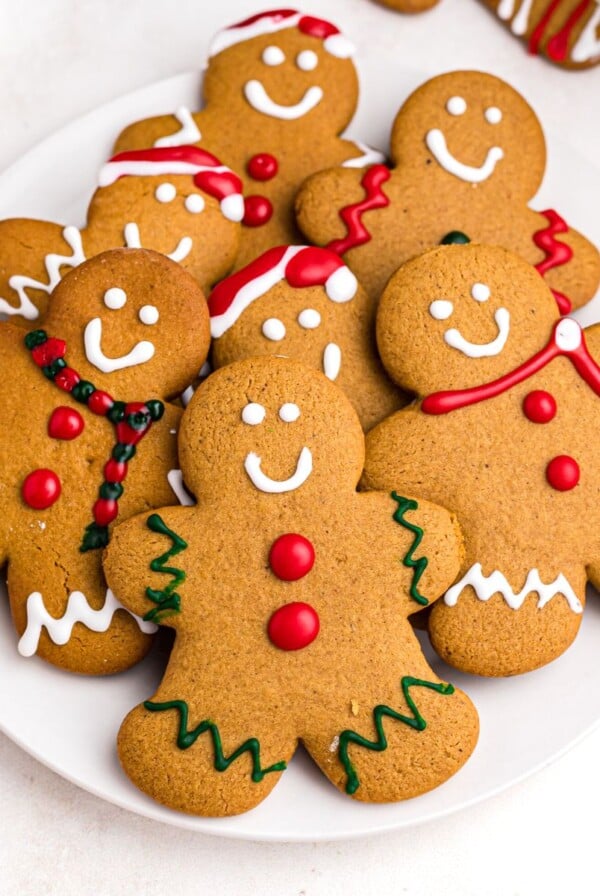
<point>134,322</point>
<point>283,66</point>
<point>458,316</point>
<point>268,427</point>
<point>469,128</point>
<point>293,301</point>
<point>173,197</point>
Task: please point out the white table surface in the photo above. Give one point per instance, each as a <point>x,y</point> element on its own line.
<point>60,59</point>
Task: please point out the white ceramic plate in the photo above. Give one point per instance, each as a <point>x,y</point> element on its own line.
<point>70,723</point>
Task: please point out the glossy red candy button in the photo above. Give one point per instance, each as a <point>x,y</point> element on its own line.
<point>258,210</point>
<point>262,166</point>
<point>40,489</point>
<point>65,423</point>
<point>539,406</point>
<point>291,557</point>
<point>293,626</point>
<point>563,473</point>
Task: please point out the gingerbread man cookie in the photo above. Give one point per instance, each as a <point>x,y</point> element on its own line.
<point>503,434</point>
<point>304,303</point>
<point>279,87</point>
<point>180,201</point>
<point>460,174</point>
<point>567,32</point>
<point>289,594</point>
<point>88,438</point>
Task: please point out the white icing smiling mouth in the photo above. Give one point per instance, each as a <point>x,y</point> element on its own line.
<point>260,101</point>
<point>264,483</point>
<point>133,241</point>
<point>92,338</point>
<point>436,144</point>
<point>455,339</point>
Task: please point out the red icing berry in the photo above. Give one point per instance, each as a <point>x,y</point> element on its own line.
<point>262,166</point>
<point>100,402</point>
<point>66,379</point>
<point>114,470</point>
<point>563,473</point>
<point>105,511</point>
<point>539,406</point>
<point>40,489</point>
<point>293,626</point>
<point>48,351</point>
<point>258,210</point>
<point>291,557</point>
<point>65,423</point>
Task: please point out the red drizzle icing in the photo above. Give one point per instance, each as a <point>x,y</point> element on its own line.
<point>351,215</point>
<point>538,32</point>
<point>558,44</point>
<point>556,253</point>
<point>580,358</point>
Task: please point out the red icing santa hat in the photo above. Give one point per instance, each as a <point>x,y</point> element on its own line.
<point>276,20</point>
<point>300,266</point>
<point>209,174</point>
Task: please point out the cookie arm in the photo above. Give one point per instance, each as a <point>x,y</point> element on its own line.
<point>145,563</point>
<point>178,128</point>
<point>580,277</point>
<point>321,198</point>
<point>413,548</point>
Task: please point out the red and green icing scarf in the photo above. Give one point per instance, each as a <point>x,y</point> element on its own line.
<point>131,422</point>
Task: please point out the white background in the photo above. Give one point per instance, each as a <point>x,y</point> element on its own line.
<point>60,59</point>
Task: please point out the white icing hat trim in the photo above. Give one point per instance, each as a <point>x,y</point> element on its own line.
<point>339,46</point>
<point>341,286</point>
<point>232,207</point>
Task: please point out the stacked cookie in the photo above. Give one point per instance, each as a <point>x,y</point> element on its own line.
<point>427,310</point>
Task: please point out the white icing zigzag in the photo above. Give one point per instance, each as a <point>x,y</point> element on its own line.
<point>53,262</point>
<point>496,583</point>
<point>78,610</point>
<point>188,133</point>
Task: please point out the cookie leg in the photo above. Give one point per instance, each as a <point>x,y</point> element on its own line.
<point>394,750</point>
<point>214,766</point>
<point>491,638</point>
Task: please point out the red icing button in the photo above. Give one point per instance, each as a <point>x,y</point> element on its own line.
<point>563,473</point>
<point>293,626</point>
<point>262,166</point>
<point>539,406</point>
<point>65,423</point>
<point>41,489</point>
<point>291,557</point>
<point>258,210</point>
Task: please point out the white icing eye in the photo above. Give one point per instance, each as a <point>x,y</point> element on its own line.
<point>456,105</point>
<point>253,414</point>
<point>194,203</point>
<point>115,298</point>
<point>274,329</point>
<point>148,314</point>
<point>493,115</point>
<point>165,192</point>
<point>480,292</point>
<point>441,309</point>
<point>289,412</point>
<point>307,60</point>
<point>273,56</point>
<point>309,319</point>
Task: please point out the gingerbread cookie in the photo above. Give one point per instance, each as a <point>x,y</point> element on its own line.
<point>460,174</point>
<point>180,201</point>
<point>304,303</point>
<point>566,32</point>
<point>502,433</point>
<point>88,438</point>
<point>289,595</point>
<point>279,88</point>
